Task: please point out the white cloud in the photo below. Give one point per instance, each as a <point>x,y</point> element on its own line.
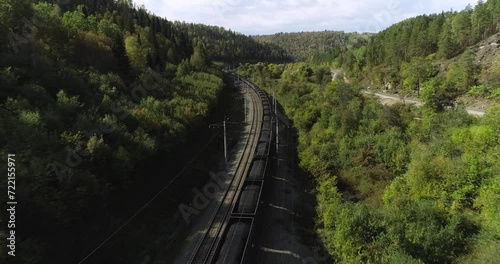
<point>270,16</point>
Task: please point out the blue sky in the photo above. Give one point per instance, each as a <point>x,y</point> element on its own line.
<point>255,17</point>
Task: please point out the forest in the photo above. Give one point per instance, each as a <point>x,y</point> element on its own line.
<point>319,47</point>
<point>92,94</point>
<point>450,54</point>
<point>95,93</point>
<point>398,184</point>
<point>395,184</point>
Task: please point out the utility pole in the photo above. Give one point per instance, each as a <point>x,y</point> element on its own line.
<point>245,98</point>
<point>277,137</point>
<point>225,143</point>
<point>273,101</point>
<point>275,106</point>
<point>223,124</point>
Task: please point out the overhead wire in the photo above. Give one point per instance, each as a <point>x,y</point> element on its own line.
<point>153,198</point>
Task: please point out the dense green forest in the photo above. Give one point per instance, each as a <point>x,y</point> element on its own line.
<point>395,184</point>
<point>437,52</point>
<point>92,93</point>
<point>232,47</point>
<point>315,46</point>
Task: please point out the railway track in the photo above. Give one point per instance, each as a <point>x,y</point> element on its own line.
<point>206,248</point>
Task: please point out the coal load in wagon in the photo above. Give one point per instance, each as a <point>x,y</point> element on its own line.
<point>265,135</point>
<point>261,150</point>
<point>266,126</point>
<point>257,170</point>
<point>248,199</point>
<point>234,244</point>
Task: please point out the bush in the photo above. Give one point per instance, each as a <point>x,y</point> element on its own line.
<point>482,90</point>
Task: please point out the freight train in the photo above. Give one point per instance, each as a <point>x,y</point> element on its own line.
<point>238,234</point>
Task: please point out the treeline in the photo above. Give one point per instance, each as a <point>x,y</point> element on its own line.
<point>413,54</point>
<point>92,92</point>
<point>219,43</point>
<point>231,47</point>
<point>395,184</point>
<point>315,46</point>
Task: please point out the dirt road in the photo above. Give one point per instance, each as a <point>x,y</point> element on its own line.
<point>390,99</point>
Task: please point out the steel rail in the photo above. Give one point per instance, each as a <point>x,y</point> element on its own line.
<point>206,248</point>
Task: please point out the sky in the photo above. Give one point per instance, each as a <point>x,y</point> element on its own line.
<point>260,17</point>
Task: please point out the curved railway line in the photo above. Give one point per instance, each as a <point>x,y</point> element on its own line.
<point>229,229</point>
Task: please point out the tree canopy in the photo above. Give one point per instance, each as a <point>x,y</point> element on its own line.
<point>395,184</point>
<point>92,93</point>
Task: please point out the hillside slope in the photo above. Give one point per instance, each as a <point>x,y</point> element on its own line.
<point>94,97</point>
<point>440,56</point>
<point>304,45</point>
<point>395,183</point>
